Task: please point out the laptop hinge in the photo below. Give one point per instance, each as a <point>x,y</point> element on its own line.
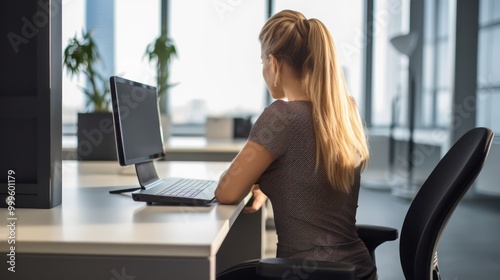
<point>147,176</point>
<point>146,173</point>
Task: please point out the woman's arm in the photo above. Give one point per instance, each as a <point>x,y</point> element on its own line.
<point>237,181</point>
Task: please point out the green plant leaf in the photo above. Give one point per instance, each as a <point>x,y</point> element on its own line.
<point>161,51</point>
<point>81,56</point>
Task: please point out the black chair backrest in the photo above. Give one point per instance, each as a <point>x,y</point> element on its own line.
<point>436,200</point>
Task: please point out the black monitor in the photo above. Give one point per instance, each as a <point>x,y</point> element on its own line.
<point>137,126</point>
<point>137,121</point>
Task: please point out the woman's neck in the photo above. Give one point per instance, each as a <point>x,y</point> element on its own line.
<point>295,93</point>
<point>293,86</point>
<point>299,97</point>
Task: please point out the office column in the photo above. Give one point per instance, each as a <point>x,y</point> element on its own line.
<point>30,104</point>
<point>368,62</point>
<point>464,38</point>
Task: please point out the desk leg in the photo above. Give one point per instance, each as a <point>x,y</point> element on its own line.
<point>62,267</point>
<point>245,240</point>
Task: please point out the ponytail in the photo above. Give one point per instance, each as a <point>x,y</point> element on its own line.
<point>341,144</point>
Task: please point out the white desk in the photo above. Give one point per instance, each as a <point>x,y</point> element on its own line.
<point>97,235</point>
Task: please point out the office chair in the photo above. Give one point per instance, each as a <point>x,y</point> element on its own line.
<point>425,220</point>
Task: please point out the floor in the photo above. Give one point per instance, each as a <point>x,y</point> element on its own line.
<point>469,248</point>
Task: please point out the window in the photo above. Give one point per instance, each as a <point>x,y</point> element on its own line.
<point>73,21</point>
<point>137,24</point>
<point>390,75</point>
<point>218,70</point>
<point>488,78</point>
<point>435,109</point>
<point>344,21</point>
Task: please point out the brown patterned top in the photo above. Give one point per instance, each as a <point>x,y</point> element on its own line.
<point>313,220</point>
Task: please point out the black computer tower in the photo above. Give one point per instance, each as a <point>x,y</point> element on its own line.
<point>30,103</point>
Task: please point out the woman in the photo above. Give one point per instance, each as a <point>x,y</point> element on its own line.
<point>305,153</point>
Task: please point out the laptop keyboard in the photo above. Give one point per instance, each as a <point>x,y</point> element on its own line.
<point>186,188</point>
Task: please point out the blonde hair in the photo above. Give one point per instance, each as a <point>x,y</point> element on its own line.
<point>307,46</point>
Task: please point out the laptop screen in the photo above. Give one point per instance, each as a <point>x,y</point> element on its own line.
<point>136,121</point>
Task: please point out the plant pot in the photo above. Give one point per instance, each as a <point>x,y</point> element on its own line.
<point>96,136</point>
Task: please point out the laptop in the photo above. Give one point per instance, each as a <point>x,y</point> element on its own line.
<point>139,142</point>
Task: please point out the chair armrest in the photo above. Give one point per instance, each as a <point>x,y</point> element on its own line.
<point>281,268</point>
<point>377,232</point>
<point>373,236</point>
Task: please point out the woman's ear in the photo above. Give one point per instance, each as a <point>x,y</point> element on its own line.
<point>275,69</point>
<point>273,63</point>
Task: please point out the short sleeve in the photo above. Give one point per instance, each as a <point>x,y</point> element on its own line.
<point>271,129</point>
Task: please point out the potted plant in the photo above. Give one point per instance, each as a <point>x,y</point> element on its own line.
<point>95,127</point>
<point>161,52</point>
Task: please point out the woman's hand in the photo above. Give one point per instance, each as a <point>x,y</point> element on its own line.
<point>259,198</point>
